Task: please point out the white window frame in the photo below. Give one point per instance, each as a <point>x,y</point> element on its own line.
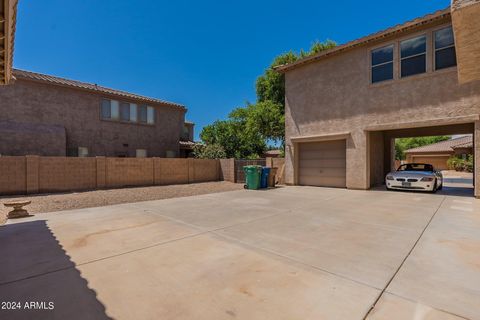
<point>141,153</point>
<point>82,152</point>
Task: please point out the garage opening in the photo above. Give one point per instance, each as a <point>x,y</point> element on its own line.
<point>449,149</point>
<point>322,164</point>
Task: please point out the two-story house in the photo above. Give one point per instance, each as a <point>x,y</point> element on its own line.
<point>345,106</point>
<point>51,116</point>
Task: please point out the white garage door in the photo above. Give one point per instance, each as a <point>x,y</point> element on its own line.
<point>322,164</point>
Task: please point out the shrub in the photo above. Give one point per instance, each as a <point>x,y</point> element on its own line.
<point>458,164</point>
<point>211,151</point>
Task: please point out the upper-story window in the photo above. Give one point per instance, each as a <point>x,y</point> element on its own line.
<point>382,64</point>
<point>146,114</point>
<point>445,55</point>
<point>413,55</point>
<point>124,111</point>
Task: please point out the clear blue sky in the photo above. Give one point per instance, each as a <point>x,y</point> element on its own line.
<point>204,54</point>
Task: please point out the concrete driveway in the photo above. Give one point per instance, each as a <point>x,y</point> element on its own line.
<point>289,253</point>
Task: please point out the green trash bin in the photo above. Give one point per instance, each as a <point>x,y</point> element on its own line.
<point>252,177</point>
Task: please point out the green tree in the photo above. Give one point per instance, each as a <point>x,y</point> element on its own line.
<point>209,151</point>
<point>317,47</point>
<point>403,144</point>
<point>235,140</point>
<point>271,85</point>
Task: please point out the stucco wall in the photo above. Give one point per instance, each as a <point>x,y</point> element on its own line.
<point>32,103</point>
<point>334,95</point>
<point>34,174</point>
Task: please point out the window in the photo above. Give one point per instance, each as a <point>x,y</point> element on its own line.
<point>141,153</point>
<point>150,115</point>
<point>125,111</point>
<point>82,152</point>
<point>106,109</point>
<point>413,55</point>
<point>110,109</point>
<point>114,110</point>
<point>142,114</point>
<point>445,56</point>
<point>133,112</point>
<point>382,64</point>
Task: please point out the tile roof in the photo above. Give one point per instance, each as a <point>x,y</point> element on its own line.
<point>28,75</point>
<point>439,15</point>
<point>445,146</point>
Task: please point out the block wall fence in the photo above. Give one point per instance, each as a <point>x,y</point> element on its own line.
<point>35,174</point>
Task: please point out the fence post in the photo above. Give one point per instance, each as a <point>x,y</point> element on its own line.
<point>32,167</point>
<point>101,168</point>
<point>191,170</point>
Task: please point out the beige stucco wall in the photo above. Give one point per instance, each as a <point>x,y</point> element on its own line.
<point>334,96</point>
<point>466,21</point>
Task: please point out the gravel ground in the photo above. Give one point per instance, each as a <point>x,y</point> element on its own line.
<point>64,201</point>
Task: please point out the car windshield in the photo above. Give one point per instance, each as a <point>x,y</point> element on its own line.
<point>415,167</point>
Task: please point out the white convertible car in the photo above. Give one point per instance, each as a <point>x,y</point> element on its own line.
<point>415,176</point>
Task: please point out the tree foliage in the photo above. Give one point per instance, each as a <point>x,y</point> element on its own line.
<point>248,129</point>
<point>209,151</point>
<point>403,144</point>
<point>230,134</point>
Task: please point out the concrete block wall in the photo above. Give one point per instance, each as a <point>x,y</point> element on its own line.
<point>35,174</point>
<point>171,171</point>
<point>12,174</point>
<point>227,169</point>
<point>122,172</point>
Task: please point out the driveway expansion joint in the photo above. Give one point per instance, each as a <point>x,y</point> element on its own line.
<point>405,259</point>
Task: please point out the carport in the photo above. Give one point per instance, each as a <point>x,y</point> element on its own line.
<point>381,142</point>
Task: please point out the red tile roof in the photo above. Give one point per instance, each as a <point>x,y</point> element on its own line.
<point>445,146</point>
<point>439,15</point>
<point>28,75</point>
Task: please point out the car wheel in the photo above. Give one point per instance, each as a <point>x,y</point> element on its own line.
<point>435,187</point>
<point>440,187</point>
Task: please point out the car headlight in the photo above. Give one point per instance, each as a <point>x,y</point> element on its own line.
<point>427,179</point>
<point>390,177</point>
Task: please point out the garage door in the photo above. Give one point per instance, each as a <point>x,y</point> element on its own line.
<point>322,164</point>
<point>439,162</point>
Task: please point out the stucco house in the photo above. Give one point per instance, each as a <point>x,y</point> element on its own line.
<point>51,116</point>
<point>345,106</point>
<point>438,153</point>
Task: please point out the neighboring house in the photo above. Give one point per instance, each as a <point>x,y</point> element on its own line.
<point>51,116</point>
<point>346,105</point>
<point>186,140</point>
<point>438,153</point>
<point>8,12</point>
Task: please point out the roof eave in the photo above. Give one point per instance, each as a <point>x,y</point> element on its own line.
<point>102,91</point>
<point>439,15</point>
<point>7,37</point>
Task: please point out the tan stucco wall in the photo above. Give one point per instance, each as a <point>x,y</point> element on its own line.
<point>334,95</point>
<point>466,22</point>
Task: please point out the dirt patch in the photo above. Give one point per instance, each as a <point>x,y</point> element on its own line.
<point>77,200</point>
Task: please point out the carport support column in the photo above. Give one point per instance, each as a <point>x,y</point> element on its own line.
<point>476,158</point>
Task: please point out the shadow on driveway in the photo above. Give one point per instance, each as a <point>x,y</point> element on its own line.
<point>38,280</point>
